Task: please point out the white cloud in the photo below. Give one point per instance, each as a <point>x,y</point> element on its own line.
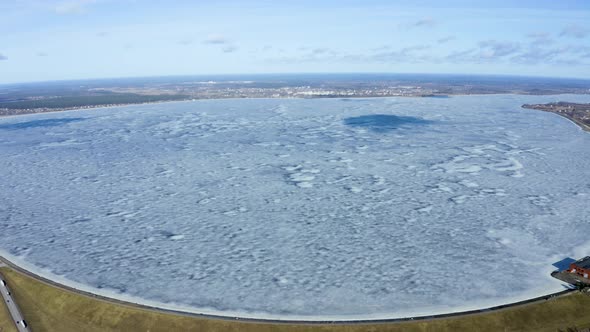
<point>386,54</point>
<point>540,38</point>
<point>185,42</point>
<point>427,22</point>
<point>445,39</point>
<point>411,54</point>
<point>320,51</point>
<point>485,52</point>
<point>229,49</point>
<point>216,39</point>
<point>575,31</point>
<point>73,6</point>
<point>495,49</point>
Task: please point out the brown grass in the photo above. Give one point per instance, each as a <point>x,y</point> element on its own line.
<point>49,308</point>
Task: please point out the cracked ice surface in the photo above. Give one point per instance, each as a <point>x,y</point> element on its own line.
<point>300,208</point>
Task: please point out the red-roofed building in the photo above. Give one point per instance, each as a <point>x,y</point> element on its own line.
<point>581,267</point>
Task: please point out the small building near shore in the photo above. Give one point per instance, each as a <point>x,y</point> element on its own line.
<point>581,267</point>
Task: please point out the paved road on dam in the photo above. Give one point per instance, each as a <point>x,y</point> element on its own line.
<point>17,317</point>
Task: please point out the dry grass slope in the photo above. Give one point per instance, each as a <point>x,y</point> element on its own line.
<point>48,308</point>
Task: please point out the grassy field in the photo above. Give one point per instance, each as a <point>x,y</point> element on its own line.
<point>47,308</point>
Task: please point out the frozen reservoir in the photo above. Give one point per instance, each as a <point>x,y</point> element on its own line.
<point>300,209</point>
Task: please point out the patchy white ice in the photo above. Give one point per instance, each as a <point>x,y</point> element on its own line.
<point>300,208</point>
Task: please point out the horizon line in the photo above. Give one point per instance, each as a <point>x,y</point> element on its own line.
<point>294,74</point>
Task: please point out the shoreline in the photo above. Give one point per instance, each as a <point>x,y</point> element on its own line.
<point>108,106</point>
<point>91,108</point>
<point>581,125</point>
<point>48,278</point>
<point>574,121</point>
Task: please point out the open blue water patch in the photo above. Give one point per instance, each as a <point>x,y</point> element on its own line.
<point>384,122</point>
<point>38,123</point>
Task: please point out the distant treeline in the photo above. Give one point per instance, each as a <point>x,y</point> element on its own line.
<point>91,100</point>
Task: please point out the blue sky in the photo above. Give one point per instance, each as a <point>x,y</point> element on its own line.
<point>77,39</point>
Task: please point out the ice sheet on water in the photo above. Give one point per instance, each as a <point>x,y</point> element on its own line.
<point>226,205</point>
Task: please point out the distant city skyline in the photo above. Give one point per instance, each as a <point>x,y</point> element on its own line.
<point>79,39</point>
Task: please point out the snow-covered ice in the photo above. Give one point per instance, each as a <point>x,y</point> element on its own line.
<point>310,209</point>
